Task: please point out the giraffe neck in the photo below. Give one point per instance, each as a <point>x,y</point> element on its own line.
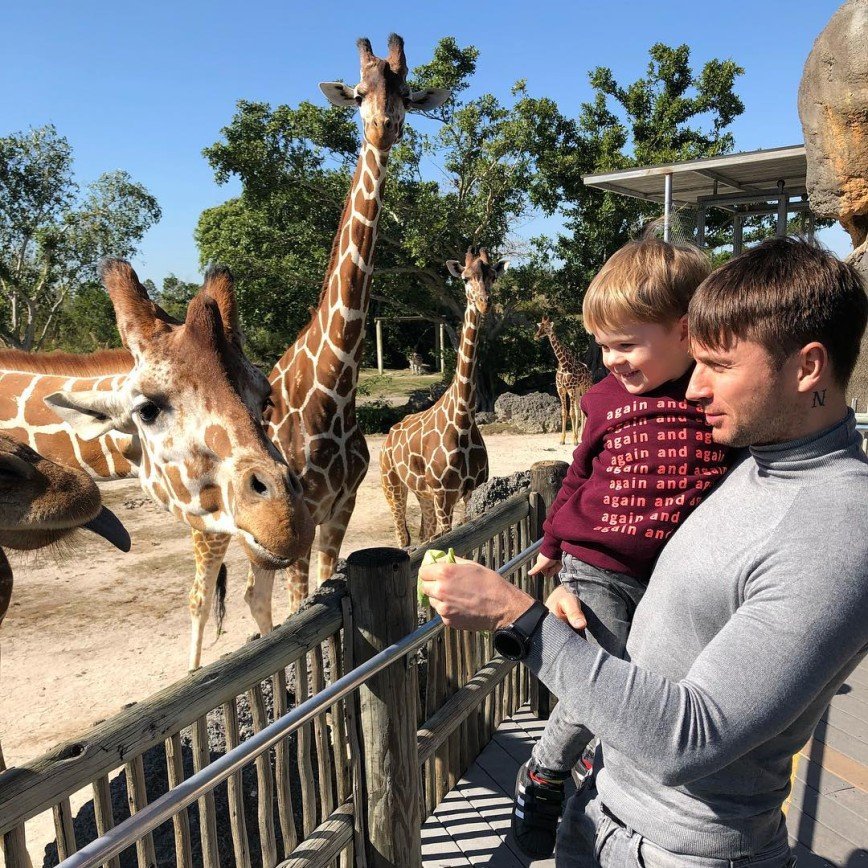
<point>336,332</point>
<point>565,358</point>
<point>463,386</point>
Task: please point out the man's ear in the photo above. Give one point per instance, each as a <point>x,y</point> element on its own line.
<point>814,366</point>
<point>92,414</point>
<point>339,94</point>
<point>453,266</point>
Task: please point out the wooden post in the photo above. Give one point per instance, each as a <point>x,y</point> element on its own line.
<point>441,340</point>
<point>737,234</point>
<point>379,329</point>
<point>383,596</point>
<point>545,481</point>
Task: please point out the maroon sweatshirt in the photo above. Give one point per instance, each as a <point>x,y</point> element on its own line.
<point>644,464</point>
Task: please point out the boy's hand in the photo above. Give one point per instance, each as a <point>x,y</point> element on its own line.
<point>546,566</point>
<point>563,604</point>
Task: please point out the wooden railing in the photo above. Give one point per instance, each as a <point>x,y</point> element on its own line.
<point>306,797</point>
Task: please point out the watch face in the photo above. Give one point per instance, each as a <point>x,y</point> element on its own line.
<point>508,644</point>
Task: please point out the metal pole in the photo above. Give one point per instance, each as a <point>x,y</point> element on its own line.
<point>783,202</point>
<point>737,234</point>
<point>161,810</point>
<point>379,324</point>
<point>700,227</point>
<point>667,205</point>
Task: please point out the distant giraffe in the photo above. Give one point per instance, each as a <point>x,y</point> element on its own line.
<point>180,408</point>
<point>313,386</point>
<point>572,380</point>
<point>439,454</point>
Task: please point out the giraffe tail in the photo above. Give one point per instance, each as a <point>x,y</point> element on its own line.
<point>220,600</point>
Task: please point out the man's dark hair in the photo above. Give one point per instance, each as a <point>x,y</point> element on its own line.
<point>783,294</point>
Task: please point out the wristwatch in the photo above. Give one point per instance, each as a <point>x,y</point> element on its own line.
<point>513,640</point>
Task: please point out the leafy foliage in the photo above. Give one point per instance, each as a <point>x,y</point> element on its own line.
<point>476,179</point>
<point>52,236</point>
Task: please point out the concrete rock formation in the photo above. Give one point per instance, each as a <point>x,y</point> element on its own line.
<point>536,413</point>
<point>833,106</point>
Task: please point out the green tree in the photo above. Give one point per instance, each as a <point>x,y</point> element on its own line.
<point>52,235</point>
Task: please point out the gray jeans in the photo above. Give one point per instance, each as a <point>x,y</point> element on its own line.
<point>590,836</point>
<point>609,601</point>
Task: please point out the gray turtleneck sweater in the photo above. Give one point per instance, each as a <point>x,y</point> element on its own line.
<point>756,612</point>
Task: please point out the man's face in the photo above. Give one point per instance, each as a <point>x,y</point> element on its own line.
<point>747,400</point>
<point>643,356</point>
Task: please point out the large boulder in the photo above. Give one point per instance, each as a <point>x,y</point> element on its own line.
<point>833,106</point>
<point>495,491</point>
<point>535,413</point>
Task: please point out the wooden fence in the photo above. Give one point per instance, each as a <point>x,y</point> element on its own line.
<point>391,748</point>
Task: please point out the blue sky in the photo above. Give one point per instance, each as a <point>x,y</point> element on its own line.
<point>144,87</point>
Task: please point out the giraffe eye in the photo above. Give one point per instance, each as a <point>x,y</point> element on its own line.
<point>148,412</point>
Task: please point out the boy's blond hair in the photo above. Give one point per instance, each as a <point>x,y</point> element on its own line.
<point>648,280</point>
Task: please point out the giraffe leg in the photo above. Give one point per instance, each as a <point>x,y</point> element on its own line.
<point>563,396</point>
<point>210,549</point>
<point>428,526</point>
<point>444,505</point>
<point>296,582</point>
<point>396,497</point>
<point>331,535</point>
<point>257,595</point>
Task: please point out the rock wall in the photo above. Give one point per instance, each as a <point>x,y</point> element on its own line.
<point>535,413</point>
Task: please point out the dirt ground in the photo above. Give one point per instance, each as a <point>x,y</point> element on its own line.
<point>91,629</point>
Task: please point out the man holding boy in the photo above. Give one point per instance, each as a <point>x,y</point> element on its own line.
<point>758,606</point>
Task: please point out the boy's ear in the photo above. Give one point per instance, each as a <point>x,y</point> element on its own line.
<point>682,324</point>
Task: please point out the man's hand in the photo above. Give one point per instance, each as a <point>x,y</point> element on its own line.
<point>469,596</point>
<point>565,605</point>
<point>544,565</point>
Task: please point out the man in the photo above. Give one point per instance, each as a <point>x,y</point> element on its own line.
<point>757,609</point>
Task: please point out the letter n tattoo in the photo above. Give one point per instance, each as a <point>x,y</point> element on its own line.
<point>819,399</point>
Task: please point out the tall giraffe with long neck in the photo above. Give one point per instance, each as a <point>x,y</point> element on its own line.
<point>313,418</point>
<point>181,409</point>
<point>572,380</point>
<point>439,454</point>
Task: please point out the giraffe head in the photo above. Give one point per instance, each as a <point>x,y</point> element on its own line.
<point>478,275</point>
<point>42,502</point>
<point>544,329</point>
<point>195,404</point>
<point>382,95</point>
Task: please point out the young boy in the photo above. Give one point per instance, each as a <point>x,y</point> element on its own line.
<point>645,462</point>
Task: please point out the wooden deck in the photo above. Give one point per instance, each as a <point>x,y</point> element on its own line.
<point>828,817</point>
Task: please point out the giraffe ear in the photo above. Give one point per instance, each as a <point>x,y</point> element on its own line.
<point>428,99</point>
<point>500,267</point>
<point>339,94</point>
<point>92,414</point>
<point>453,266</point>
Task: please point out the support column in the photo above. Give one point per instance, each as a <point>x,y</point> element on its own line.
<point>379,328</point>
<point>783,207</point>
<point>667,206</point>
<point>441,335</point>
<point>737,234</point>
<point>383,596</point>
<point>700,227</point>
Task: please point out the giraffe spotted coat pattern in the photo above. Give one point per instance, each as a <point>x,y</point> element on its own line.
<point>439,454</point>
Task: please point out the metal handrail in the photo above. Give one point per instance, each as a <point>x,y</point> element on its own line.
<point>161,810</point>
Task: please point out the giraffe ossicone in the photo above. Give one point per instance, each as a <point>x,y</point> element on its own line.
<point>439,453</point>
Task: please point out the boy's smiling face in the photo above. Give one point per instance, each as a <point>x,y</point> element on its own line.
<point>644,356</point>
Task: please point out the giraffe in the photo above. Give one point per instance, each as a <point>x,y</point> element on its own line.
<point>439,454</point>
<point>313,386</point>
<point>180,408</point>
<point>572,380</point>
<point>42,503</point>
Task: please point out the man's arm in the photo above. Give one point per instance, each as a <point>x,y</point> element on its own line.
<point>803,622</point>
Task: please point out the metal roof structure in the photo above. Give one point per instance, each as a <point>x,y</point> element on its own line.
<point>771,181</point>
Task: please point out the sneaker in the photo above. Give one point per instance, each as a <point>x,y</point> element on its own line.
<point>537,808</point>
